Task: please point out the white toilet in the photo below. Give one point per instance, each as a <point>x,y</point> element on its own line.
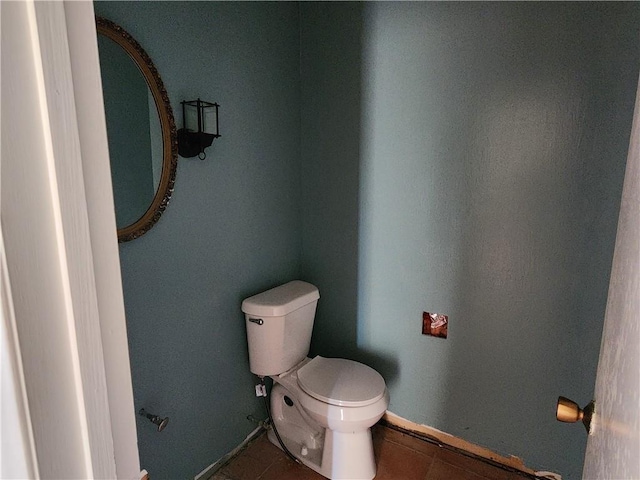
<point>323,408</point>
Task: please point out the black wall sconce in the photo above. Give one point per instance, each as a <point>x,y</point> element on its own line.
<point>199,128</point>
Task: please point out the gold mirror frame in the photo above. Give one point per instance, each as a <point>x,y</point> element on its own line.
<point>167,125</point>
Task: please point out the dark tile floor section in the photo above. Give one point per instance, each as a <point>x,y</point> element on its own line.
<point>399,456</point>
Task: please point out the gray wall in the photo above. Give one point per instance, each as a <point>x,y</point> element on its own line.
<point>462,158</point>
<point>231,228</point>
<point>467,159</point>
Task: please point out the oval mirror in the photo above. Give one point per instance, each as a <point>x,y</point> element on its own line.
<point>141,130</point>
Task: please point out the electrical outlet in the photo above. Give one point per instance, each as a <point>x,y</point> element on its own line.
<point>435,324</point>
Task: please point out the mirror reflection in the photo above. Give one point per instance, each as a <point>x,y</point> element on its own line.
<point>135,141</point>
<point>140,130</point>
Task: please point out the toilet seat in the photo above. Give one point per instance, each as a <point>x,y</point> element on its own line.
<point>341,382</point>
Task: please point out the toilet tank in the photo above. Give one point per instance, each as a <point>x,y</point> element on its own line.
<point>279,323</point>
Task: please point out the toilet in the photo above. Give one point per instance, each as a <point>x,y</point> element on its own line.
<point>322,408</point>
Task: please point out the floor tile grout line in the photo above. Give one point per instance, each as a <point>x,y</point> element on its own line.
<point>414,449</point>
<point>438,455</point>
<point>458,451</point>
<point>476,460</point>
<point>433,461</point>
<point>246,453</point>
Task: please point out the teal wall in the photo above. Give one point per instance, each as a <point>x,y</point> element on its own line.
<point>462,158</point>
<point>231,229</point>
<point>467,159</point>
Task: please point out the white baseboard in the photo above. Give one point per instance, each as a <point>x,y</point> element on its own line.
<point>210,470</point>
<point>447,439</point>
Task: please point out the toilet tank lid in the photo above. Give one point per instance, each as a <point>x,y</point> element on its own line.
<point>282,300</point>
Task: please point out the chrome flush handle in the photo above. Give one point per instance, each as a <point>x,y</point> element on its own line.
<point>259,321</point>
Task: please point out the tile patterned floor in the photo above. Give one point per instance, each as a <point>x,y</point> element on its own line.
<point>399,456</point>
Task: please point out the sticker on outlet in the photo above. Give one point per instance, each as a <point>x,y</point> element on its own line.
<point>435,324</point>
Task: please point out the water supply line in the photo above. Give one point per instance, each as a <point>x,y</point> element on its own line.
<point>263,389</point>
<point>263,424</point>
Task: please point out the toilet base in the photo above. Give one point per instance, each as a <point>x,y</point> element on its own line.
<point>348,456</point>
<point>344,456</point>
<point>335,454</point>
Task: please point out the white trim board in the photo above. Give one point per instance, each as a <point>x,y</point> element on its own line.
<point>92,131</point>
<point>61,247</point>
<point>44,230</point>
<point>17,446</point>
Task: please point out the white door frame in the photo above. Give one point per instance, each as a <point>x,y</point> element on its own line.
<point>613,448</point>
<point>87,83</point>
<point>59,229</point>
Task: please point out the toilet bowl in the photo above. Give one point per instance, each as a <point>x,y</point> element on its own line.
<point>322,408</point>
<point>330,435</point>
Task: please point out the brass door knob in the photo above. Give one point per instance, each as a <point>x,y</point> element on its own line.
<point>569,411</point>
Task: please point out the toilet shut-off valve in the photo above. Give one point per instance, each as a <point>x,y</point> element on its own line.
<point>155,419</point>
